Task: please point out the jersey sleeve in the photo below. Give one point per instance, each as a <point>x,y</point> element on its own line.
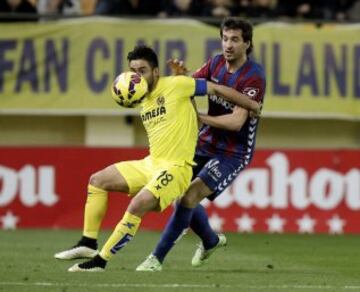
<point>204,71</point>
<point>186,85</point>
<point>254,87</point>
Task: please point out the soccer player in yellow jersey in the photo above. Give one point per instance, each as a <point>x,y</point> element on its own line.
<point>156,181</point>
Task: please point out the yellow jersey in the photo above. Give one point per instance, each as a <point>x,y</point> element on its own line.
<point>170,119</point>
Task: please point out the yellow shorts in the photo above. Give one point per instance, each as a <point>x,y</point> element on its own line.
<point>167,181</point>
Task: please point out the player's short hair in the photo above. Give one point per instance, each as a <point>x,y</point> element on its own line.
<point>238,23</point>
<point>145,53</point>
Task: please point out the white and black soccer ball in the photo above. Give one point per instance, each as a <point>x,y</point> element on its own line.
<point>129,89</point>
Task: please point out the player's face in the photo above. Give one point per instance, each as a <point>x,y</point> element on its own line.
<point>143,68</point>
<point>233,45</point>
<point>14,3</point>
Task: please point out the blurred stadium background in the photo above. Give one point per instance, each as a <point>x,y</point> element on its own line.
<point>58,123</point>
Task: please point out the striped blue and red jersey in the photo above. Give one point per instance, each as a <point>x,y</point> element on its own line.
<point>249,79</point>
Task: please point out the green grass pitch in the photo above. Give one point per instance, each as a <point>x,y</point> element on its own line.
<point>255,262</point>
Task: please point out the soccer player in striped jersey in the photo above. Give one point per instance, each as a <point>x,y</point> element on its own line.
<point>154,182</point>
<point>225,146</point>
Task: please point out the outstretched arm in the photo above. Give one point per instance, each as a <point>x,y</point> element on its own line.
<point>235,97</point>
<point>178,68</point>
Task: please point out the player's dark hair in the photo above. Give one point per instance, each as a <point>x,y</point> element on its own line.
<point>238,23</point>
<point>145,53</point>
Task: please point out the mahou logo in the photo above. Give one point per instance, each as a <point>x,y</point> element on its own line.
<point>32,185</point>
<point>275,186</point>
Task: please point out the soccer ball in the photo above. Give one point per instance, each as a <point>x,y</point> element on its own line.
<point>129,89</point>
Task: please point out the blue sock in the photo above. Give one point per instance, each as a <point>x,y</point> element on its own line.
<point>179,221</point>
<point>200,225</point>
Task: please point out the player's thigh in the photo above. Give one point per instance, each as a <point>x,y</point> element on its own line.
<point>169,183</point>
<point>136,174</point>
<point>109,179</point>
<point>197,191</point>
<point>219,172</point>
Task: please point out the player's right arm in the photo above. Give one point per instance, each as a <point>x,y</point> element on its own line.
<point>202,87</point>
<point>234,97</point>
<point>229,94</point>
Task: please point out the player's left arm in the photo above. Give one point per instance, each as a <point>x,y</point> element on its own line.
<point>231,122</point>
<point>177,67</point>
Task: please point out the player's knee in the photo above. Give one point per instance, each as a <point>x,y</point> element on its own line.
<point>140,205</point>
<point>96,180</point>
<point>189,200</point>
<point>135,207</point>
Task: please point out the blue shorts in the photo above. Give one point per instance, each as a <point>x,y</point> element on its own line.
<point>217,172</point>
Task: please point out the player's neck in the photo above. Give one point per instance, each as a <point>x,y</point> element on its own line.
<point>234,65</point>
<point>154,84</point>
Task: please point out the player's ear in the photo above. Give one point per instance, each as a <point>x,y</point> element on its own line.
<point>156,72</point>
<point>247,44</point>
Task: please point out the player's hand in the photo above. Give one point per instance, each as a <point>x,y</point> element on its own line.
<point>256,112</point>
<point>177,67</point>
<point>200,117</point>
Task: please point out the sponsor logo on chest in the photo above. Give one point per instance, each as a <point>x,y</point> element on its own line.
<point>160,110</point>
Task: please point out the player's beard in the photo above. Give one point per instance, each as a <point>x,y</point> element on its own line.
<point>234,57</point>
<point>230,57</point>
<point>150,82</point>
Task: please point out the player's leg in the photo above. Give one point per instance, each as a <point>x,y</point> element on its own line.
<point>201,226</point>
<point>125,230</point>
<point>210,240</point>
<point>141,204</point>
<point>199,221</point>
<point>172,185</point>
<point>166,242</point>
<point>212,179</point>
<point>226,171</point>
<point>178,223</point>
<point>165,185</point>
<point>100,183</point>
